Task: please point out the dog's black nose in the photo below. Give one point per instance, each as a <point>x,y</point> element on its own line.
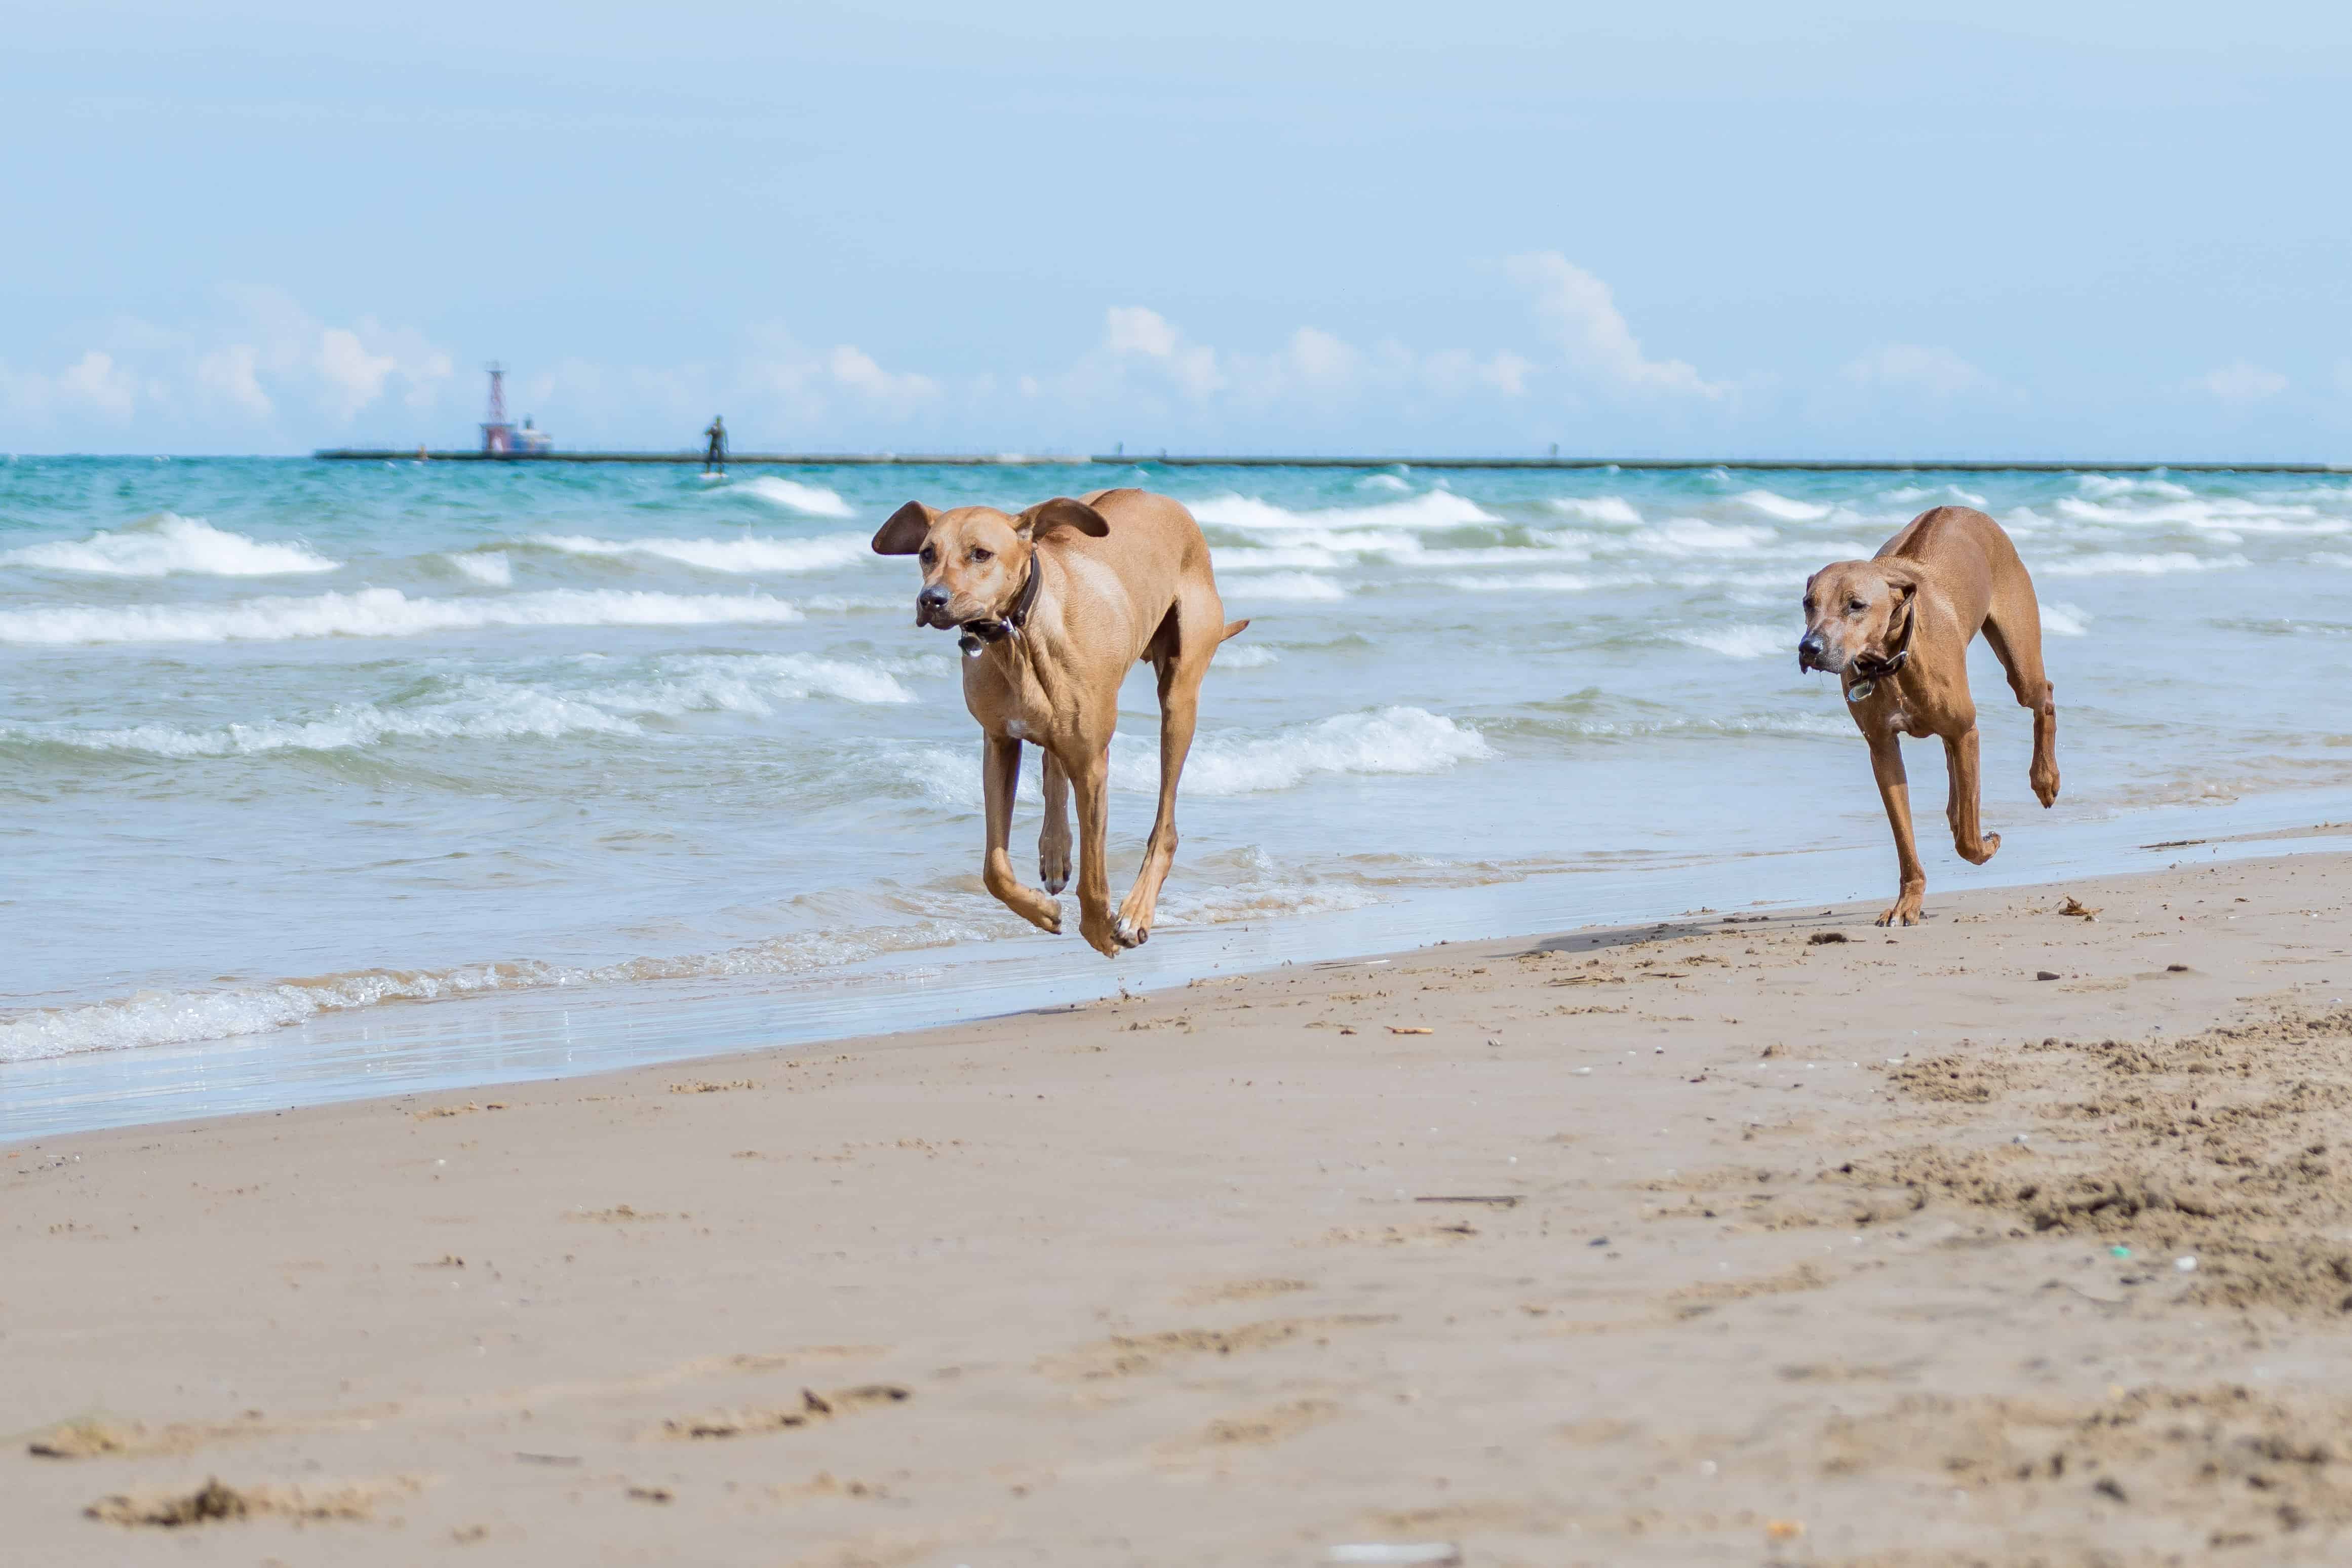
<point>1809,650</point>
<point>931,602</point>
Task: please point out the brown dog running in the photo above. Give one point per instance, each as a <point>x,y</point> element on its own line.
<point>1895,629</point>
<point>1056,606</point>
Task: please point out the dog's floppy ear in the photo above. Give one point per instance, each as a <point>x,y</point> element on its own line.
<point>905,532</point>
<point>1902,579</point>
<point>1061,512</point>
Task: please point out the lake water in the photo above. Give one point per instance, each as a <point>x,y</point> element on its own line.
<point>327,778</point>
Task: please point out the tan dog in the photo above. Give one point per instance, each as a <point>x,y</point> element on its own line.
<point>1056,606</point>
<point>1896,629</point>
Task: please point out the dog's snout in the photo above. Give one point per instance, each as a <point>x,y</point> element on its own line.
<point>1809,650</point>
<point>932,600</point>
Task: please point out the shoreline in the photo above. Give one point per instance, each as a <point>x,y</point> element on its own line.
<point>496,1039</point>
<point>1696,1241</point>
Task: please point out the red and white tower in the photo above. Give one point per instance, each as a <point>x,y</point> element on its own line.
<point>498,433</point>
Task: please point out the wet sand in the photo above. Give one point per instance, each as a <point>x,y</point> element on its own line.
<point>1722,1242</point>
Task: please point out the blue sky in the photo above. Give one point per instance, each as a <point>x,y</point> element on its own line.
<point>2008,230</point>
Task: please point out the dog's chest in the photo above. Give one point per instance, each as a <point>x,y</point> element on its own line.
<point>1007,702</point>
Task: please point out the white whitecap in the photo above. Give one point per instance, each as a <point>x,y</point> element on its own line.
<point>1597,509</point>
<point>1384,741</point>
<point>488,567</point>
<point>749,555</point>
<point>1300,587</point>
<point>2063,620</point>
<point>1245,655</point>
<point>169,543</point>
<point>1741,641</point>
<point>379,613</point>
<point>2115,485</point>
<point>810,500</point>
<point>1523,583</point>
<point>1430,510</point>
<point>1686,536</point>
<point>1783,508</point>
<point>2113,563</point>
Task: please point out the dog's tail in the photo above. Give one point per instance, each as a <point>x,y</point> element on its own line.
<point>1232,630</point>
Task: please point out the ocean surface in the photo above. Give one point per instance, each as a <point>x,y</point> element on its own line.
<point>331,778</point>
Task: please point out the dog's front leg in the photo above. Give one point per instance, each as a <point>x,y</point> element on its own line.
<point>1975,846</point>
<point>1053,839</point>
<point>1895,789</point>
<point>1000,772</point>
<point>1090,782</point>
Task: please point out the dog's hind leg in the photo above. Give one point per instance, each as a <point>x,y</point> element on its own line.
<point>2012,629</point>
<point>1180,669</point>
<point>1975,846</point>
<point>1000,772</point>
<point>1895,790</point>
<point>1053,839</point>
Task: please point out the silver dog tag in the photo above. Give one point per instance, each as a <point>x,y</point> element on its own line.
<point>1862,688</point>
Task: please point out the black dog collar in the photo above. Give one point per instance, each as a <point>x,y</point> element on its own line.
<point>1873,668</point>
<point>979,634</point>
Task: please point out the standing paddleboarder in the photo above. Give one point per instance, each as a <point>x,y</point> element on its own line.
<point>714,455</point>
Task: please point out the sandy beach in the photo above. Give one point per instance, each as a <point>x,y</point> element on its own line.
<point>2018,1237</point>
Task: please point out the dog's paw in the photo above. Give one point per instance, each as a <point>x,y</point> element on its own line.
<point>1984,851</point>
<point>1054,867</point>
<point>1904,912</point>
<point>1129,933</point>
<point>2045,789</point>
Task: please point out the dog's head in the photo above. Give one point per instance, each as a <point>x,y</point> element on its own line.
<point>975,558</point>
<point>1855,610</point>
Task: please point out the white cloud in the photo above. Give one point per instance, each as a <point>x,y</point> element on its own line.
<point>856,369</point>
<point>357,362</point>
<point>1582,315</point>
<point>1135,334</point>
<point>2240,383</point>
<point>93,384</point>
<point>1914,367</point>
<point>230,373</point>
<point>96,381</point>
<point>1321,359</point>
<point>354,377</point>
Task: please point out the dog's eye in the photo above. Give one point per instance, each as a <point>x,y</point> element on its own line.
<point>1855,605</point>
<point>980,555</point>
<point>929,555</point>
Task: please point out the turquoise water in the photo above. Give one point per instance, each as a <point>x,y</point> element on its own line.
<point>291,747</point>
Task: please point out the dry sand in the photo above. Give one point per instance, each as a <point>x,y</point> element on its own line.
<point>1613,1248</point>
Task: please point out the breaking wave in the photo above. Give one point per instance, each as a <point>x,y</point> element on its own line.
<point>379,613</point>
<point>734,556</point>
<point>489,567</point>
<point>2112,563</point>
<point>1740,642</point>
<point>179,1017</point>
<point>809,501</point>
<point>1294,587</point>
<point>168,543</point>
<point>1386,741</point>
<point>1430,510</point>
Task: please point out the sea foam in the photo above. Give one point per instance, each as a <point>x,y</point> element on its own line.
<point>1740,642</point>
<point>731,555</point>
<point>168,543</point>
<point>1384,741</point>
<point>489,567</point>
<point>809,501</point>
<point>1430,510</point>
<point>379,613</point>
<point>479,708</point>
